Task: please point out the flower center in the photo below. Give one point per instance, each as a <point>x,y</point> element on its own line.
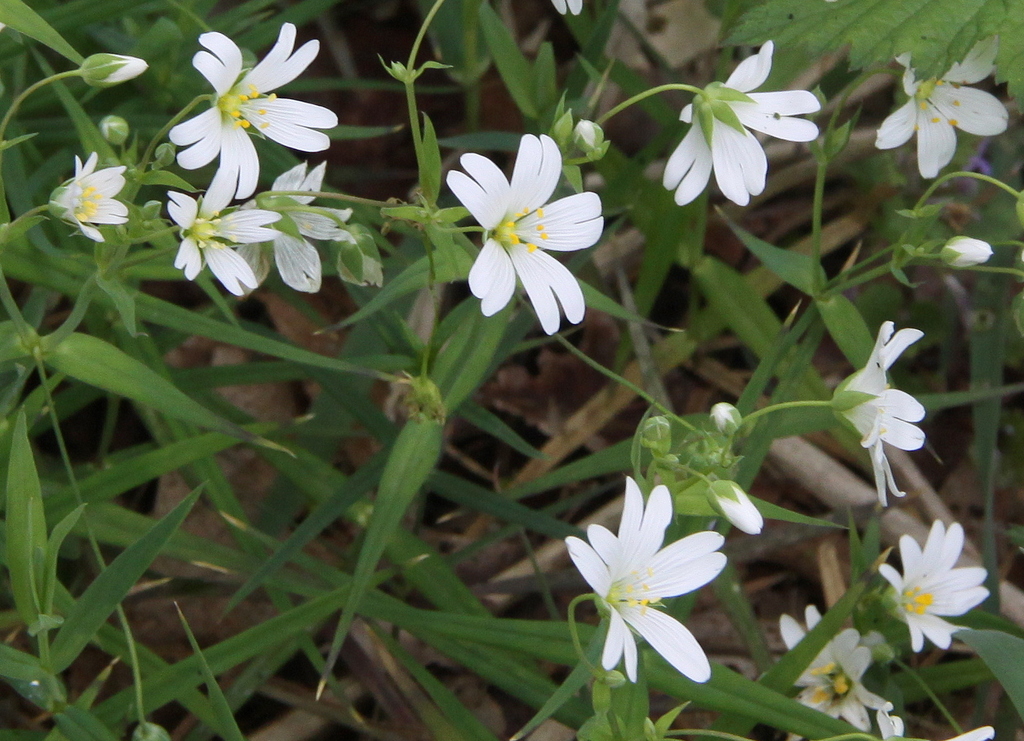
<point>205,232</point>
<point>838,684</point>
<point>88,203</point>
<point>240,106</point>
<point>917,602</point>
<point>924,94</point>
<point>524,228</point>
<point>633,591</point>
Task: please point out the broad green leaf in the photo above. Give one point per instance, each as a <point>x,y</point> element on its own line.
<point>23,19</point>
<point>228,728</point>
<point>847,328</point>
<point>937,33</point>
<point>98,363</point>
<point>101,597</point>
<point>1010,60</point>
<point>25,525</point>
<point>1002,653</point>
<point>795,268</point>
<point>410,461</point>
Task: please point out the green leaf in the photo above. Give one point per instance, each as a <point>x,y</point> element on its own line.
<point>937,33</point>
<point>49,576</point>
<point>108,589</point>
<point>1002,653</point>
<point>81,725</point>
<point>796,269</point>
<point>25,525</point>
<point>847,328</point>
<point>515,70</point>
<point>225,718</point>
<point>15,664</point>
<point>430,166</point>
<point>169,179</point>
<point>23,19</point>
<point>1010,59</point>
<point>775,512</point>
<point>124,300</point>
<point>411,460</point>
<point>98,363</point>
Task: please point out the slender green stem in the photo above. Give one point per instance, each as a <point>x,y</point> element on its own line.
<point>992,269</point>
<point>574,631</point>
<point>785,405</point>
<point>962,174</point>
<point>410,85</point>
<point>328,195</point>
<point>931,695</point>
<point>77,312</point>
<point>175,120</point>
<point>25,331</point>
<point>140,707</point>
<point>816,217</point>
<point>733,737</point>
<point>647,94</point>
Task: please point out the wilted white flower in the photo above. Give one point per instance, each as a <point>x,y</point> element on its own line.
<point>207,233</point>
<point>720,139</point>
<point>297,260</point>
<point>571,6</point>
<point>520,225</point>
<point>106,70</point>
<point>88,197</point>
<point>734,504</point>
<point>962,252</point>
<point>937,107</point>
<point>931,587</point>
<point>886,417</point>
<point>832,682</point>
<point>632,573</point>
<point>245,104</point>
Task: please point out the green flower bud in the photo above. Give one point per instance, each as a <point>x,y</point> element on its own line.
<point>561,131</point>
<point>150,732</point>
<point>656,435</point>
<point>588,135</point>
<point>114,129</point>
<point>107,70</point>
<point>726,417</point>
<point>164,154</point>
<point>962,252</point>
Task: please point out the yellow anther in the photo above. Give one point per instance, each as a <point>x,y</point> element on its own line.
<point>543,235</point>
<point>953,122</point>
<point>936,119</point>
<point>940,82</point>
<point>540,227</point>
<point>924,105</point>
<point>956,102</point>
<point>650,571</point>
<point>841,684</point>
<point>245,124</point>
<point>531,247</point>
<point>514,238</point>
<point>243,98</point>
<point>540,213</point>
<point>236,114</point>
<point>254,91</point>
<point>265,124</point>
<point>821,695</point>
<point>262,111</point>
<point>88,191</point>
<point>629,589</point>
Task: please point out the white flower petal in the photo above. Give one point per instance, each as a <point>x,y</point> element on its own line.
<point>615,643</point>
<point>978,734</point>
<point>205,133</point>
<point>589,564</point>
<point>280,66</point>
<point>571,223</point>
<point>898,126</point>
<point>485,191</point>
<point>936,142</point>
<point>543,277</point>
<point>783,103</point>
<point>258,260</point>
<point>189,259</point>
<point>781,127</point>
<point>492,278</point>
<point>536,172</point>
<point>752,71</point>
<point>642,547</point>
<point>979,63</point>
<point>292,122</point>
<point>740,165</point>
<point>231,270</point>
<point>298,262</point>
<point>971,110</point>
<point>689,168</point>
<point>672,640</point>
<point>791,631</point>
<point>223,66</point>
<point>182,208</point>
<point>293,179</point>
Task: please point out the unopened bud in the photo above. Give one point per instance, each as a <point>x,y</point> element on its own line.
<point>728,498</point>
<point>164,154</point>
<point>106,70</point>
<point>561,130</point>
<point>726,417</point>
<point>656,435</point>
<point>114,129</point>
<point>588,135</point>
<point>962,252</point>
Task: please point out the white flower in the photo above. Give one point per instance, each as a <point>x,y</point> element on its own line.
<point>719,139</point>
<point>930,585</point>
<point>107,70</point>
<point>520,225</point>
<point>632,573</point>
<point>726,418</point>
<point>88,197</point>
<point>891,726</point>
<point>297,260</point>
<point>244,103</point>
<point>572,6</point>
<point>734,504</point>
<point>832,681</point>
<point>887,417</point>
<point>936,107</point>
<point>962,252</point>
<point>208,235</point>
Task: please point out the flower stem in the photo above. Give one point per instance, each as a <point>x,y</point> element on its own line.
<point>328,195</point>
<point>410,86</point>
<point>167,127</point>
<point>932,696</point>
<point>786,405</point>
<point>573,631</point>
<point>963,174</point>
<point>647,94</point>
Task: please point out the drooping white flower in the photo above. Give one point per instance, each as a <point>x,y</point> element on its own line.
<point>734,504</point>
<point>832,682</point>
<point>88,197</point>
<point>937,107</point>
<point>892,726</point>
<point>571,6</point>
<point>719,140</point>
<point>887,416</point>
<point>521,225</point>
<point>632,573</point>
<point>297,260</point>
<point>244,104</point>
<point>931,587</point>
<point>209,234</point>
<point>962,252</point>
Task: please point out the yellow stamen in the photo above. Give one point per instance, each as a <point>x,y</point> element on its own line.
<point>953,122</point>
<point>540,213</point>
<point>531,247</point>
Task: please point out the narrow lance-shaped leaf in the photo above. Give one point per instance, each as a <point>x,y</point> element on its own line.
<point>23,19</point>
<point>110,587</point>
<point>228,727</point>
<point>25,525</point>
